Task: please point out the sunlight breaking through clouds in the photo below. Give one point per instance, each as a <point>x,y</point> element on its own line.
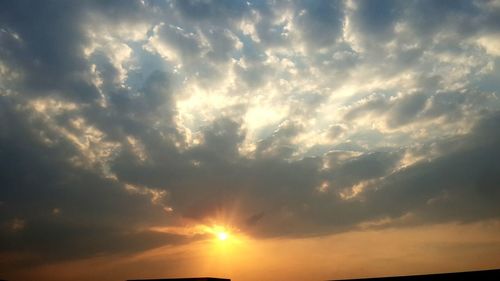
<point>130,126</point>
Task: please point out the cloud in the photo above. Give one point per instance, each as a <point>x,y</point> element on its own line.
<point>320,23</point>
<point>490,43</point>
<point>286,119</point>
<point>459,185</point>
<point>376,18</point>
<point>406,109</point>
<point>94,213</point>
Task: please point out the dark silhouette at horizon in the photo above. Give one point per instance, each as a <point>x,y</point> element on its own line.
<point>184,279</point>
<point>492,274</point>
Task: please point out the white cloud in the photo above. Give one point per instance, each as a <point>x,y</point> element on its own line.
<point>491,43</point>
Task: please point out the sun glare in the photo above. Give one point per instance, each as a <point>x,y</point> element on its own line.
<point>221,235</point>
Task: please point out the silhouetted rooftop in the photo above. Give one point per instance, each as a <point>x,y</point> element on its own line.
<point>185,279</point>
<point>469,275</point>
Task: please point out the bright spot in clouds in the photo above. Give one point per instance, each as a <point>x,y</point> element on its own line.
<point>222,235</point>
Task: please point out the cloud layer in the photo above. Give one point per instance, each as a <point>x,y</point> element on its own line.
<point>289,118</point>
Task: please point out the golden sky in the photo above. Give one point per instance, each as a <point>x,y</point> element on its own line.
<point>364,253</point>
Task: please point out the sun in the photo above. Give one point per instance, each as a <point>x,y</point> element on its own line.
<point>222,235</point>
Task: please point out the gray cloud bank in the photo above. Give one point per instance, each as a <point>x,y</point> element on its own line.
<point>94,151</point>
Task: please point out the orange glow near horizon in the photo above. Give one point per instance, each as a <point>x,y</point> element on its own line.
<point>221,233</point>
<point>356,254</point>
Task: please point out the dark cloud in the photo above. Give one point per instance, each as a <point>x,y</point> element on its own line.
<point>222,45</point>
<point>376,19</point>
<point>49,240</point>
<point>336,131</point>
<point>428,17</point>
<point>365,167</point>
<point>49,50</point>
<point>374,103</point>
<point>406,109</point>
<point>211,11</point>
<point>279,143</point>
<point>64,211</point>
<point>460,185</point>
<point>185,43</point>
<point>320,22</point>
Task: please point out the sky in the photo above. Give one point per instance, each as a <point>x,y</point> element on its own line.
<point>252,140</point>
